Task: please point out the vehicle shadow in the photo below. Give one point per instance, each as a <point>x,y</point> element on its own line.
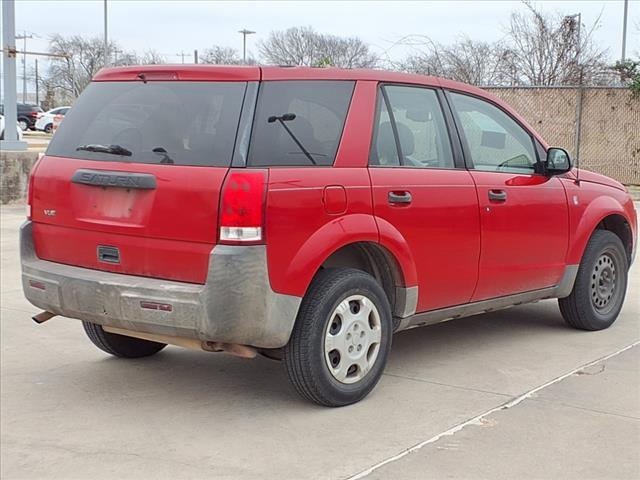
<point>539,319</point>
<point>186,376</point>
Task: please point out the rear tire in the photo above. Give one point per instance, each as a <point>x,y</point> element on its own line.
<point>342,338</point>
<point>601,283</point>
<point>23,124</point>
<point>120,345</point>
<point>48,128</point>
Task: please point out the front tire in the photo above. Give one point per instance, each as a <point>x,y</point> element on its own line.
<point>341,339</point>
<point>120,345</point>
<point>601,283</point>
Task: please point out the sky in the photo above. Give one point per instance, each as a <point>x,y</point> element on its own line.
<point>172,27</point>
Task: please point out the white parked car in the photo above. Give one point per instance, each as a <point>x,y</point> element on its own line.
<point>2,129</point>
<point>45,122</point>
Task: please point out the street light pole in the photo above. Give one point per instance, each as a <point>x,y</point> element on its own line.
<point>106,41</point>
<point>9,53</point>
<point>244,33</point>
<point>624,31</point>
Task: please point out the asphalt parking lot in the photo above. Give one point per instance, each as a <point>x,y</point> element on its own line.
<point>511,394</point>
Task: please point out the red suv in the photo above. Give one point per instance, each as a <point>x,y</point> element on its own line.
<point>307,215</point>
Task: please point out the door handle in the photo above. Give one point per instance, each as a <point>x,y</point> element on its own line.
<point>399,197</point>
<point>497,195</point>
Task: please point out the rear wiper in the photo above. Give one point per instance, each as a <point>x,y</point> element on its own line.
<point>286,117</point>
<point>166,159</point>
<point>111,149</point>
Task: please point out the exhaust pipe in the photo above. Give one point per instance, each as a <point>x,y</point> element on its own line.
<point>243,351</point>
<point>235,349</point>
<point>43,317</point>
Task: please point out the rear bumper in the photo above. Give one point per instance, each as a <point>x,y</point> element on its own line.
<point>235,305</point>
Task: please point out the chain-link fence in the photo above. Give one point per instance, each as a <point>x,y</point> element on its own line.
<point>606,139</point>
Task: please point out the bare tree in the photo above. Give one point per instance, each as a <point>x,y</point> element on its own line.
<point>121,58</point>
<point>539,49</point>
<point>478,63</point>
<point>218,55</point>
<point>81,60</point>
<point>349,52</point>
<point>304,46</point>
<point>51,97</point>
<point>151,57</point>
<point>552,49</point>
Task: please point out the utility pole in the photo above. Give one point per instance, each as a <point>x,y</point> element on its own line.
<point>9,53</point>
<point>244,33</point>
<point>624,31</point>
<point>573,18</point>
<point>182,54</point>
<point>24,37</point>
<point>37,85</point>
<point>195,56</point>
<point>115,56</point>
<point>106,41</point>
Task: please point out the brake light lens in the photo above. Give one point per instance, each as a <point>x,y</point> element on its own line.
<point>242,202</point>
<point>30,185</point>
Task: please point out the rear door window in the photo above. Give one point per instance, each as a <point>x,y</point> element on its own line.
<point>181,123</point>
<point>299,123</point>
<point>417,121</point>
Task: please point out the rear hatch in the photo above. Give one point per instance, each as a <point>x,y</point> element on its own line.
<point>131,180</point>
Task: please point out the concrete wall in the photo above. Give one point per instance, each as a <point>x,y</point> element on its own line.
<point>610,128</point>
<point>15,168</point>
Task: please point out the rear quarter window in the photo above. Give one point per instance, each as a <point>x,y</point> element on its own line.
<point>299,123</point>
<point>181,123</point>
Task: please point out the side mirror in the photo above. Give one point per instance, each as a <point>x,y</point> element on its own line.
<point>557,162</point>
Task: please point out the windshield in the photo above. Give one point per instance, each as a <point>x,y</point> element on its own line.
<point>182,123</point>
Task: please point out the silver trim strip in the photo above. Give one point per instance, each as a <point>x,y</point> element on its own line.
<point>561,290</point>
<point>406,301</point>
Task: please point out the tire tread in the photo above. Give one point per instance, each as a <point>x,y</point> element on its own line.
<point>576,308</point>
<point>298,355</point>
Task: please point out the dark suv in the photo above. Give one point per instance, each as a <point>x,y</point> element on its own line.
<point>27,115</point>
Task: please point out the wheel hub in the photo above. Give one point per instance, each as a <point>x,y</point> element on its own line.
<point>352,339</point>
<point>603,281</point>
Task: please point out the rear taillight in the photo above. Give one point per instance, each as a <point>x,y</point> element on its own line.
<point>35,114</point>
<point>242,201</point>
<point>30,185</point>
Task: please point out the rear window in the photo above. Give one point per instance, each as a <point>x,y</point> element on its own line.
<point>181,123</point>
<point>299,123</point>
